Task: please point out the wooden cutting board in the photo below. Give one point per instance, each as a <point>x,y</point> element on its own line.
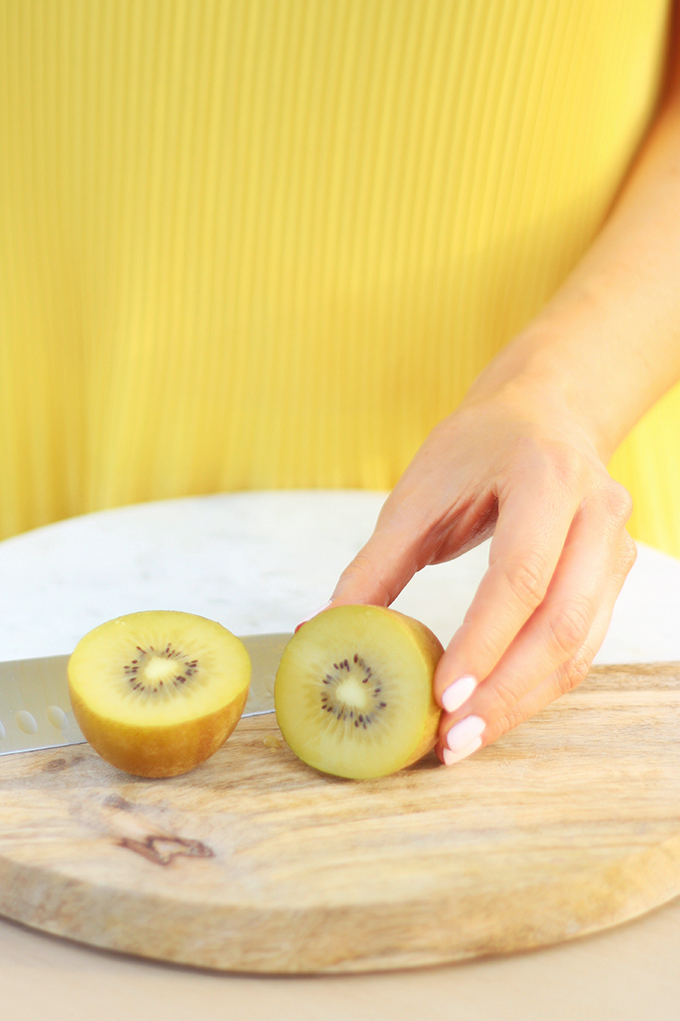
<point>253,862</point>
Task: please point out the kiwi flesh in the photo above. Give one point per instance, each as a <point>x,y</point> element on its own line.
<point>353,691</point>
<point>157,692</point>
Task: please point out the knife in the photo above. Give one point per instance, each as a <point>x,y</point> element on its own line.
<point>35,707</point>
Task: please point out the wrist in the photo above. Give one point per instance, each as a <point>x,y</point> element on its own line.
<point>535,376</point>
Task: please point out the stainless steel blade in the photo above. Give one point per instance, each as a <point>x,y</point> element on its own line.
<point>35,708</point>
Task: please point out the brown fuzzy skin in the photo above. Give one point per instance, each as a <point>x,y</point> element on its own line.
<point>158,751</point>
<point>433,650</point>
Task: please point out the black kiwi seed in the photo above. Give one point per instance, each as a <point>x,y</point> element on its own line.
<point>343,712</point>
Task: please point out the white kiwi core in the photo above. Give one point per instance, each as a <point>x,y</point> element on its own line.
<point>159,669</point>
<point>351,693</point>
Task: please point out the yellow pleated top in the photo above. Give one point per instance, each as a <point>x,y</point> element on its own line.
<point>270,243</point>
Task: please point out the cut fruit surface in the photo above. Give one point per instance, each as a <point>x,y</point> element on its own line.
<point>157,692</point>
<point>353,692</point>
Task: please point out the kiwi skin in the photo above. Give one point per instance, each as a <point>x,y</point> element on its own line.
<point>169,752</point>
<point>431,651</point>
<point>173,736</point>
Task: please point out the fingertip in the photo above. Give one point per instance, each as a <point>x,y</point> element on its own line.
<point>464,733</point>
<point>450,758</point>
<point>315,614</point>
<point>457,693</point>
<point>377,574</point>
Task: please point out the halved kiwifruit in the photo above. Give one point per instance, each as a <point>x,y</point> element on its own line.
<point>158,692</point>
<point>353,691</point>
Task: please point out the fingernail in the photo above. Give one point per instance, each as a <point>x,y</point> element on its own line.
<point>315,614</point>
<point>465,732</point>
<point>457,693</point>
<point>451,757</point>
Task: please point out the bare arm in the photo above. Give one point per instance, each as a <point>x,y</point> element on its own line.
<point>609,341</point>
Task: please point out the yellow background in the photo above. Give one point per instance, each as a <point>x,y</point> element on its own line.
<point>269,243</point>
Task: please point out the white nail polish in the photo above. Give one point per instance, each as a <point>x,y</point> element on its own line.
<point>457,693</point>
<point>451,757</point>
<point>465,732</point>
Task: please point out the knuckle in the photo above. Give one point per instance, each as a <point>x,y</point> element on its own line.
<point>551,458</point>
<point>359,569</point>
<point>487,642</point>
<point>618,502</point>
<point>508,720</point>
<point>569,625</point>
<point>527,580</point>
<point>362,571</point>
<point>626,557</point>
<point>567,464</point>
<point>574,671</point>
<point>629,553</point>
<point>505,698</point>
<point>362,564</point>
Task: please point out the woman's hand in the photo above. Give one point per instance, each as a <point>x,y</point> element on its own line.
<point>519,466</point>
<point>523,458</point>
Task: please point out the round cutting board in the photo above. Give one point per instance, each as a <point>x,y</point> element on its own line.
<point>254,862</point>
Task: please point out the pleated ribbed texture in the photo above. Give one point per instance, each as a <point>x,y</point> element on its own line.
<point>269,243</point>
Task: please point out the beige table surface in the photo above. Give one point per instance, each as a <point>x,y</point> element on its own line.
<point>260,562</point>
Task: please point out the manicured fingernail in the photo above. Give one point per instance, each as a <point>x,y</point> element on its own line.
<point>457,693</point>
<point>315,614</point>
<point>451,757</point>
<point>465,732</point>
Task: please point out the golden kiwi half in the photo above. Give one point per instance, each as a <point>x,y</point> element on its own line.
<point>353,691</point>
<point>158,692</point>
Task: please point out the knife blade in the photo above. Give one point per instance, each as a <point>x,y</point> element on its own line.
<point>35,708</point>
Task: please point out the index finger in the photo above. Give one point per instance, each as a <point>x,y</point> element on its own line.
<point>531,530</point>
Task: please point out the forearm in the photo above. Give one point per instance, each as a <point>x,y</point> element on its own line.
<point>607,346</point>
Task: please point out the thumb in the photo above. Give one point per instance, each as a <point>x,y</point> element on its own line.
<point>378,572</point>
<point>375,576</point>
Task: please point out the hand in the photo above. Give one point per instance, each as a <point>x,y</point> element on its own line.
<point>519,466</point>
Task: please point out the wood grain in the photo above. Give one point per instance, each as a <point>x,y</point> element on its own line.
<point>253,862</point>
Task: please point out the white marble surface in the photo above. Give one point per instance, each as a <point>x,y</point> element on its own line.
<point>260,562</point>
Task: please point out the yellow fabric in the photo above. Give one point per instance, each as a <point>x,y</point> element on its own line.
<point>269,243</point>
